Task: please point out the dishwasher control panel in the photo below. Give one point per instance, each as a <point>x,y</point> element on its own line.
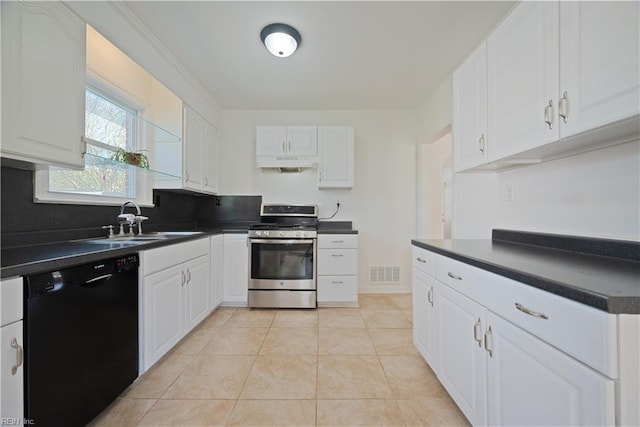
<point>127,262</point>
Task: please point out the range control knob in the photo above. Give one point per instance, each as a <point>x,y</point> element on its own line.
<point>266,233</point>
<point>305,234</point>
<point>282,233</point>
<point>298,234</point>
<point>258,233</point>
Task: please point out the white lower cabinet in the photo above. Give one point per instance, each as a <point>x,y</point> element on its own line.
<point>337,270</point>
<point>235,288</point>
<point>462,368</point>
<point>217,271</point>
<point>11,352</point>
<point>175,286</point>
<point>424,316</point>
<point>530,381</point>
<point>498,371</point>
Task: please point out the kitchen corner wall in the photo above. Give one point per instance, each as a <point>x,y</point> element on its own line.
<point>382,202</point>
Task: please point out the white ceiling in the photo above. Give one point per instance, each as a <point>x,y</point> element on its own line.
<point>354,55</point>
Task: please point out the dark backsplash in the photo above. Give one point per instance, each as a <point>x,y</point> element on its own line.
<point>24,222</point>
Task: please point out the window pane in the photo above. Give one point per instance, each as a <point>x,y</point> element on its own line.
<point>111,124</point>
<point>107,122</point>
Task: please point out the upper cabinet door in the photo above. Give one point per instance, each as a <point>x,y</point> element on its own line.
<point>522,68</point>
<point>43,83</point>
<point>470,111</point>
<point>271,140</point>
<point>335,156</point>
<point>194,134</point>
<point>302,141</point>
<point>210,158</point>
<point>599,63</point>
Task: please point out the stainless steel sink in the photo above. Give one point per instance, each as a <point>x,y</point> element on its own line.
<point>144,238</point>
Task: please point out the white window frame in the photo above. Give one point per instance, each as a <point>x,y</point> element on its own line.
<point>143,180</point>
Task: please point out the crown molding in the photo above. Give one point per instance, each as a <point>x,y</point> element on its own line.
<point>142,29</point>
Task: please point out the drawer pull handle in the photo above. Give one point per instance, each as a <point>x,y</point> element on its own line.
<point>454,276</point>
<point>337,255</point>
<point>430,296</point>
<point>531,312</point>
<point>424,261</point>
<point>477,333</point>
<point>488,341</point>
<point>337,241</point>
<point>19,356</point>
<point>337,282</point>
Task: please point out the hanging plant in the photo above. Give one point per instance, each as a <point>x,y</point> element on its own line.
<point>131,158</point>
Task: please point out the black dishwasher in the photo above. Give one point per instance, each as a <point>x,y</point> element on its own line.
<point>81,340</point>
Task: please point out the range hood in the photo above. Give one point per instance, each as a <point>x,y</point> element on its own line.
<point>287,163</point>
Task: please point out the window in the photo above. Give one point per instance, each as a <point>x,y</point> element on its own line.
<point>110,125</point>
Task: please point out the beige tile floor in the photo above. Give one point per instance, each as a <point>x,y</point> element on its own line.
<point>325,367</point>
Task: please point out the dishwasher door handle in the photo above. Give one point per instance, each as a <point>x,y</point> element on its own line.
<point>95,279</point>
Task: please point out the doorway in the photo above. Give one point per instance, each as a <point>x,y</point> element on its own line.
<point>437,187</point>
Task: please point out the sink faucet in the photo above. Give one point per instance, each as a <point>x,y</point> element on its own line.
<point>130,219</point>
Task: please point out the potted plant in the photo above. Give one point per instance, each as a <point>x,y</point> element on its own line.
<point>132,158</point>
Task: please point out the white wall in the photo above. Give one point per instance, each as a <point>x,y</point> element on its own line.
<point>592,194</point>
<point>382,202</point>
<point>435,157</point>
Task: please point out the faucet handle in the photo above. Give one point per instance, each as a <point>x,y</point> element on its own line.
<point>110,227</point>
<point>139,219</point>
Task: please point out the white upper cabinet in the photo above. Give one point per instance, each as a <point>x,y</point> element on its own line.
<point>43,83</point>
<point>210,158</point>
<point>197,163</point>
<point>554,71</point>
<point>286,141</point>
<point>523,80</point>
<point>335,156</point>
<point>193,144</point>
<point>599,63</point>
<point>470,111</point>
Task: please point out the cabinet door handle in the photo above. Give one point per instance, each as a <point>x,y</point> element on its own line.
<point>477,333</point>
<point>563,107</point>
<point>525,310</point>
<point>187,175</point>
<point>430,296</point>
<point>188,276</point>
<point>289,145</point>
<point>548,114</point>
<point>283,150</point>
<point>19,356</point>
<point>481,143</point>
<point>206,181</point>
<point>454,276</point>
<point>337,255</point>
<point>488,341</point>
<point>183,278</point>
<point>337,282</point>
<point>424,261</point>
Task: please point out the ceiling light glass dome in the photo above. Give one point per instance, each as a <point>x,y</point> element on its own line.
<point>280,39</point>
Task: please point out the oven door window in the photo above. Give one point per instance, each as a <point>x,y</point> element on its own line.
<point>281,261</point>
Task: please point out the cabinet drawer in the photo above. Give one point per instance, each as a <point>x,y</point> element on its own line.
<point>338,241</point>
<point>337,261</point>
<point>424,260</point>
<point>158,259</point>
<point>12,291</point>
<point>464,278</point>
<point>583,332</point>
<point>337,289</point>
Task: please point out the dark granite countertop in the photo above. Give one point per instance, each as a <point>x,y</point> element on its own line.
<point>33,259</point>
<point>601,273</point>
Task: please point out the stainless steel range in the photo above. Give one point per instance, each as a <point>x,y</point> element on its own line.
<point>282,254</point>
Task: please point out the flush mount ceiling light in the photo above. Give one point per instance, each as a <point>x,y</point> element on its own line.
<point>280,39</point>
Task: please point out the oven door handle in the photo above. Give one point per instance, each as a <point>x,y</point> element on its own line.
<point>283,241</point>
